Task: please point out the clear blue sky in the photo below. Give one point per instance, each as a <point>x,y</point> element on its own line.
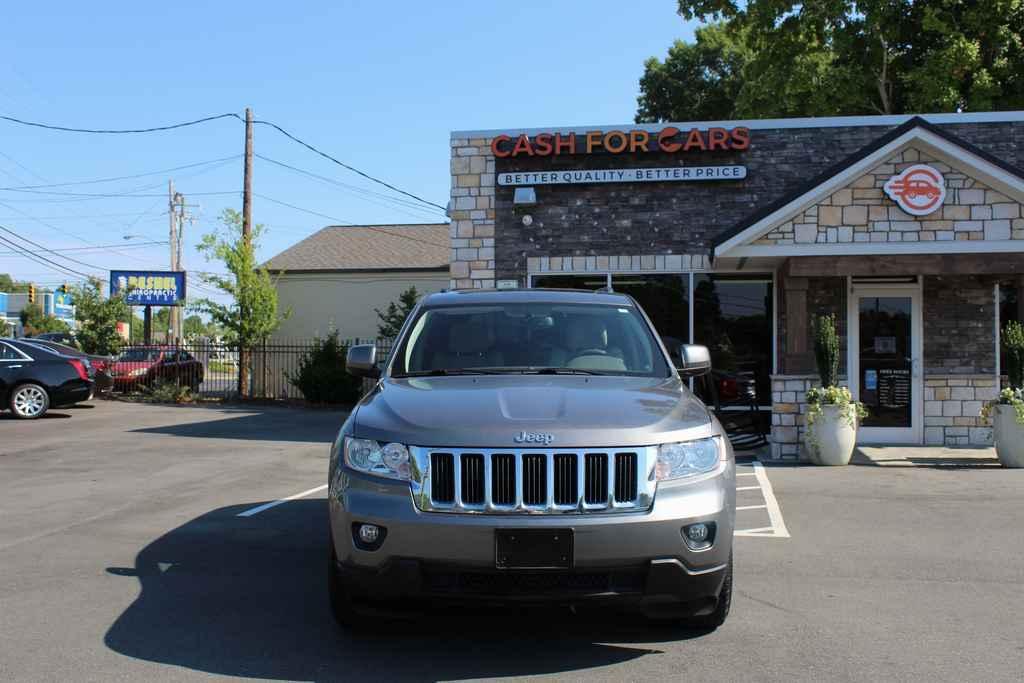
<point>377,84</point>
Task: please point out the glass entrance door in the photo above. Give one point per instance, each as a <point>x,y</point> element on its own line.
<point>886,328</point>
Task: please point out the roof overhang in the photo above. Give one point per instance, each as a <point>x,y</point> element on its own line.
<point>918,133</point>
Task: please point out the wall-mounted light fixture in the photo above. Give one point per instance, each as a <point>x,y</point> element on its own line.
<point>524,196</point>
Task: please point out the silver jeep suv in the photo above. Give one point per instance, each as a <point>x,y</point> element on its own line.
<point>532,445</point>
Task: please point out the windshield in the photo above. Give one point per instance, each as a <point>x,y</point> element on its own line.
<point>139,355</point>
<point>548,338</point>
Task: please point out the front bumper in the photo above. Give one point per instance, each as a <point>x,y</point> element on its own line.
<point>637,556</point>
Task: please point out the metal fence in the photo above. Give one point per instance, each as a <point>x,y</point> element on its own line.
<point>210,369</point>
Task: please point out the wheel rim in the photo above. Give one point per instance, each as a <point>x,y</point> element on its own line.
<point>29,401</point>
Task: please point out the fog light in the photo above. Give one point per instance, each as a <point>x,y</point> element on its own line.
<point>699,536</point>
<point>368,536</point>
<point>369,533</point>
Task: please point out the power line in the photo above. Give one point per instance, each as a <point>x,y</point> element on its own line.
<point>353,188</point>
<point>125,177</point>
<point>355,170</point>
<point>43,260</point>
<point>111,194</point>
<point>299,208</point>
<point>135,245</point>
<point>47,249</point>
<point>154,129</point>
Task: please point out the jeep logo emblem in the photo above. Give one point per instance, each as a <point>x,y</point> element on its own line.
<point>534,437</point>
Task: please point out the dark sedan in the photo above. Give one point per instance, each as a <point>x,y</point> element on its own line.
<point>34,379</point>
<point>98,367</point>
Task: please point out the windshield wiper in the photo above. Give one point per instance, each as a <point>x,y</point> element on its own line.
<point>439,372</point>
<point>563,371</point>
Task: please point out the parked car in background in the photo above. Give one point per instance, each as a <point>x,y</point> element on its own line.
<point>97,366</point>
<point>34,379</point>
<point>144,366</point>
<point>66,338</point>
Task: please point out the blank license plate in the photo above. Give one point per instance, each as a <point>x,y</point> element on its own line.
<point>533,548</point>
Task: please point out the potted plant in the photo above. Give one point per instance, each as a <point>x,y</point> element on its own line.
<point>832,414</point>
<point>1007,411</point>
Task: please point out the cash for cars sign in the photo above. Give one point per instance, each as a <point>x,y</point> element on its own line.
<point>149,287</point>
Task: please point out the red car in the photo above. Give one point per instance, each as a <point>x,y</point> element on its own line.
<point>145,366</point>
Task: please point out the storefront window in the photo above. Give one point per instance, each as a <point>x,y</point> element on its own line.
<point>665,299</point>
<point>732,316</point>
<point>595,281</point>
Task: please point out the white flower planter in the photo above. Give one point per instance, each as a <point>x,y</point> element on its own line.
<point>1009,436</point>
<point>830,440</point>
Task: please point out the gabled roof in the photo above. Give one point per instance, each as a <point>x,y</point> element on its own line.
<point>996,171</point>
<point>423,246</point>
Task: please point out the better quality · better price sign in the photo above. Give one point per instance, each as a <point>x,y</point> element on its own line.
<point>624,175</point>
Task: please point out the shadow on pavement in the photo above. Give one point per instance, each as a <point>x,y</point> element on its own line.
<point>247,597</point>
<point>258,424</point>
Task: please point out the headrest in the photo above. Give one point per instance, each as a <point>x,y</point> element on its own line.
<point>471,336</point>
<point>586,333</point>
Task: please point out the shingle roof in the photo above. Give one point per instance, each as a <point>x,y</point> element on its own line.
<point>368,247</point>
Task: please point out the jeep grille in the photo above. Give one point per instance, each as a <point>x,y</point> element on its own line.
<point>534,481</point>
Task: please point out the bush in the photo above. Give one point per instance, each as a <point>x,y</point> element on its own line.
<point>321,375</point>
<point>1013,342</point>
<point>826,350</point>
<point>169,392</point>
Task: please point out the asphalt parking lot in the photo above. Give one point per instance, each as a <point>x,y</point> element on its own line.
<point>123,556</point>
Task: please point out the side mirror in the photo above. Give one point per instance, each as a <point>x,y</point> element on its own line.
<point>361,361</point>
<point>696,360</point>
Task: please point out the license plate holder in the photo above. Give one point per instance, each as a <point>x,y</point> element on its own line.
<point>533,548</point>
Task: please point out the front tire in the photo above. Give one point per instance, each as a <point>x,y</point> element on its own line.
<point>709,622</point>
<point>29,401</point>
<point>340,599</point>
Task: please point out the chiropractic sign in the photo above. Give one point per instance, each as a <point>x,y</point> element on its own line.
<point>623,175</point>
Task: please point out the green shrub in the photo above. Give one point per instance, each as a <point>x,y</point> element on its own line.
<point>1013,342</point>
<point>164,391</point>
<point>826,350</point>
<point>321,375</point>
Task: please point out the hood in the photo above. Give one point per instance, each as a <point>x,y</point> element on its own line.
<point>490,411</point>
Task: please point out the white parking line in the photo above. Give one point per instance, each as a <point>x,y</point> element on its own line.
<point>266,506</point>
<point>771,506</point>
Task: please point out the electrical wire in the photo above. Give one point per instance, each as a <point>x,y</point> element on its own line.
<point>353,188</point>
<point>355,170</point>
<point>154,129</point>
<point>43,260</point>
<point>113,194</point>
<point>124,177</point>
<point>350,224</point>
<point>101,247</point>
<point>47,249</point>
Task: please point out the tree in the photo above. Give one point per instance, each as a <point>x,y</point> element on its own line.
<point>392,319</point>
<point>36,322</point>
<point>767,58</point>
<point>12,286</point>
<point>252,314</point>
<point>97,318</point>
<point>193,326</point>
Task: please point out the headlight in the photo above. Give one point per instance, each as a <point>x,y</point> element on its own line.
<point>688,458</point>
<point>390,460</point>
<point>137,372</point>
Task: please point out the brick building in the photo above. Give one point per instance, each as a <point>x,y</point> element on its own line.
<point>737,234</point>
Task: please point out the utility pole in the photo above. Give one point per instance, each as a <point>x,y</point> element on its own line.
<point>243,349</point>
<point>173,241</point>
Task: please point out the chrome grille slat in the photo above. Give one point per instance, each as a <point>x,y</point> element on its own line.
<point>533,481</point>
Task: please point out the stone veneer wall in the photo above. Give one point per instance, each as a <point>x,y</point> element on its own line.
<point>861,212</point>
<point>472,214</point>
<point>789,410</point>
<point>958,320</point>
<point>952,407</point>
<point>952,404</point>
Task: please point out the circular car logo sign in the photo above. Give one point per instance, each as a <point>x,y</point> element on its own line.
<point>918,190</point>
